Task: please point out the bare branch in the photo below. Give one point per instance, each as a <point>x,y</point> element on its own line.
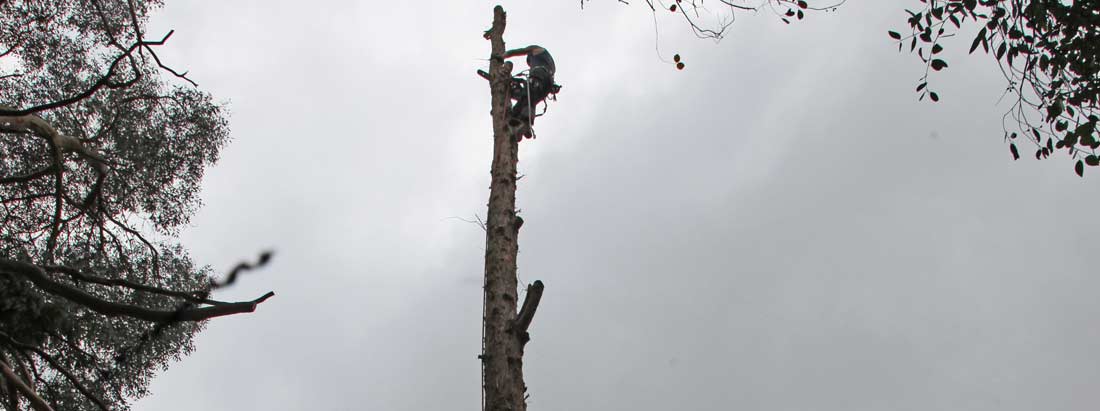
<point>192,296</point>
<point>152,249</point>
<point>39,278</point>
<point>36,402</point>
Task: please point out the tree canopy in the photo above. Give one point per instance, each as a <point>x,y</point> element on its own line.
<point>102,149</point>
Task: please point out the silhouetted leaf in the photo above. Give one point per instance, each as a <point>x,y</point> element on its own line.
<point>938,64</point>
<point>1088,139</point>
<point>977,41</point>
<point>895,35</point>
<point>1054,110</point>
<point>1079,168</point>
<point>1085,128</point>
<point>1015,154</point>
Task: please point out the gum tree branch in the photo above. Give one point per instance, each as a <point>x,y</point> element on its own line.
<point>36,402</point>
<point>191,296</point>
<point>103,82</point>
<point>39,278</point>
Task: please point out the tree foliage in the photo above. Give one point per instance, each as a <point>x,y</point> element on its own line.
<point>102,148</point>
<point>1048,51</point>
<point>712,23</point>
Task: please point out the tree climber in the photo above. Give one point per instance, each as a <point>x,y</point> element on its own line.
<point>540,83</point>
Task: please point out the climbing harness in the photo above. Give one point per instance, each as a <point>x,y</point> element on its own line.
<point>521,83</point>
<point>521,86</point>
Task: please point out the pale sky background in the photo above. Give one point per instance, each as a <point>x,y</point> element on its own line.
<point>781,226</point>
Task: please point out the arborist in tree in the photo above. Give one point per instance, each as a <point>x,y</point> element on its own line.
<point>540,83</point>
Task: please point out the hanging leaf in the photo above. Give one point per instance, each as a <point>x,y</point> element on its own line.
<point>1015,154</point>
<point>1079,168</point>
<point>895,35</point>
<point>977,41</point>
<point>1054,110</point>
<point>934,96</point>
<point>938,64</point>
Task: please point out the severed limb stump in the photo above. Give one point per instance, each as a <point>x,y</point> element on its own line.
<point>527,313</point>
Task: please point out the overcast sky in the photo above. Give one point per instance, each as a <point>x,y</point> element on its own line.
<point>780,226</point>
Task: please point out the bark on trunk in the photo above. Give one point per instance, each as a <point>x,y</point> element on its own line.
<point>502,360</point>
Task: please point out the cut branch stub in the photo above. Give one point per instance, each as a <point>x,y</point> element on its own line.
<point>527,313</point>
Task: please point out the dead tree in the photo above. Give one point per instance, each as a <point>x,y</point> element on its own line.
<point>504,329</point>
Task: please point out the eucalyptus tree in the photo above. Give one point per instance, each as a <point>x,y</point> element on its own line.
<point>102,148</point>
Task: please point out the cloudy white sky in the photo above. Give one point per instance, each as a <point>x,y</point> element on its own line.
<point>780,226</point>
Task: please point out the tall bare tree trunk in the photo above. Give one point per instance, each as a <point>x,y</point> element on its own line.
<point>505,330</point>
